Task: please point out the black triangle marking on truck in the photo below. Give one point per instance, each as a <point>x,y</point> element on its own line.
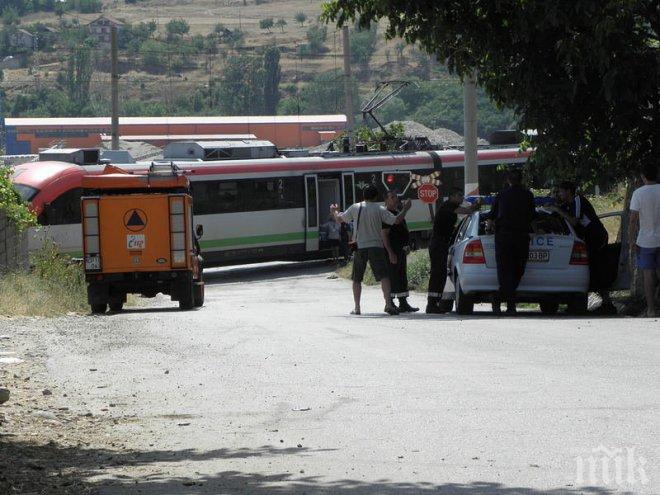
<point>135,220</point>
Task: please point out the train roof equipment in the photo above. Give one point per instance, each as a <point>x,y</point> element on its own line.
<point>220,150</point>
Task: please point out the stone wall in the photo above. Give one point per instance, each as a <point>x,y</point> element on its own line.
<point>13,247</point>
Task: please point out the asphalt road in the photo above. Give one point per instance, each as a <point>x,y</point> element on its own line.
<point>272,388</point>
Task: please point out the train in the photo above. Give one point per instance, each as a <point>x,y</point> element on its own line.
<point>259,210</point>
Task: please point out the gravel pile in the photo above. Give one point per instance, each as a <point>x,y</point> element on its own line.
<point>438,137</point>
<point>139,150</point>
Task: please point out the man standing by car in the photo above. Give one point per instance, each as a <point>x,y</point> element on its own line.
<point>397,241</point>
<point>512,214</point>
<point>580,213</point>
<point>644,233</point>
<point>443,228</point>
<point>368,218</point>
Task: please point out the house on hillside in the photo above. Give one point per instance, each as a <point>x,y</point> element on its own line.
<point>20,38</point>
<point>100,28</point>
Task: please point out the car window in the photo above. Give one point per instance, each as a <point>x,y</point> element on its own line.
<point>462,228</point>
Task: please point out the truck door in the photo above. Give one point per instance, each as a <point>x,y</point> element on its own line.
<point>311,213</point>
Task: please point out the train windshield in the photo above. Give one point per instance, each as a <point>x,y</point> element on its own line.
<point>26,192</point>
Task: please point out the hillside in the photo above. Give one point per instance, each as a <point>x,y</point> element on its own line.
<point>207,57</point>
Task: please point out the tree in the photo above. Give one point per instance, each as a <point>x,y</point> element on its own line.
<point>272,76</point>
<point>300,18</point>
<point>176,28</point>
<point>316,37</point>
<point>583,73</point>
<point>280,23</point>
<point>241,92</point>
<point>266,23</point>
<point>79,74</point>
<point>363,46</point>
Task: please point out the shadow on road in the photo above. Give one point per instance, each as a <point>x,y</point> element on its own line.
<point>31,468</point>
<point>267,271</point>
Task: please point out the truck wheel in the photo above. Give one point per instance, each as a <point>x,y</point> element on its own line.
<point>186,297</point>
<point>578,305</point>
<point>99,308</point>
<point>116,306</point>
<point>198,294</point>
<point>549,307</point>
<point>464,304</point>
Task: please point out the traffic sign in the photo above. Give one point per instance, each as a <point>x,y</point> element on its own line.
<point>428,193</point>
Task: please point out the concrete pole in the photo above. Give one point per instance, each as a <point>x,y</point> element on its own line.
<point>350,112</point>
<point>114,87</point>
<point>470,136</point>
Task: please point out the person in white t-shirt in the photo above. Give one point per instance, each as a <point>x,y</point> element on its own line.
<point>644,232</point>
<point>368,218</point>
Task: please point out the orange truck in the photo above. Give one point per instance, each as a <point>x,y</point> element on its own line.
<point>139,239</point>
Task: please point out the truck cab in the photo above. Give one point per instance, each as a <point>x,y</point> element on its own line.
<point>138,237</point>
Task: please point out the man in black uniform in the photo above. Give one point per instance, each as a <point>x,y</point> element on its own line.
<point>512,214</point>
<point>443,228</point>
<point>580,213</point>
<point>396,239</point>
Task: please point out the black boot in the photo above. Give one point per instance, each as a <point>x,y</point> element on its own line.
<point>433,306</point>
<point>404,307</point>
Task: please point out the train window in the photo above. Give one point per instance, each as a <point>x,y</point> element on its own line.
<point>27,193</point>
<point>64,210</point>
<point>451,177</point>
<point>312,214</point>
<point>214,197</point>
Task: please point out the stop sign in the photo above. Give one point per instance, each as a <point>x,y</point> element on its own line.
<point>427,193</point>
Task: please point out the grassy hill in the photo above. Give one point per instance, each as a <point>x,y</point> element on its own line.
<point>189,73</point>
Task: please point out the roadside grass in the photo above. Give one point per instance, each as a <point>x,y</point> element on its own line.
<point>419,268</point>
<point>55,286</point>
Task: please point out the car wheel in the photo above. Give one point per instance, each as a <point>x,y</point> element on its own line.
<point>99,308</point>
<point>464,304</point>
<point>578,305</point>
<point>446,305</point>
<point>549,307</point>
<point>187,297</point>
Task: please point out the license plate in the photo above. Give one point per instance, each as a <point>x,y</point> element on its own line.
<point>135,242</point>
<point>539,256</point>
<point>92,263</point>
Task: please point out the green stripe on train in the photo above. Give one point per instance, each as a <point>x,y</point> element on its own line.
<point>258,239</point>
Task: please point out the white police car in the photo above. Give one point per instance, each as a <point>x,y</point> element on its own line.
<point>557,269</point>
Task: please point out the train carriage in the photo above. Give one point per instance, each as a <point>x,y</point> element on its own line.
<point>263,209</point>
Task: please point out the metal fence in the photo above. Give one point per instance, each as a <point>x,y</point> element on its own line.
<point>13,247</point>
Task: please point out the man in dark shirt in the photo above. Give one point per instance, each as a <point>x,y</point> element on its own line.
<point>443,228</point>
<point>580,213</point>
<point>397,241</point>
<point>512,214</point>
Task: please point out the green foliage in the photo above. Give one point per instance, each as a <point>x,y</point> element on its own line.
<point>176,28</point>
<point>324,94</point>
<point>241,91</point>
<point>316,38</point>
<point>280,23</point>
<point>266,24</point>
<point>363,46</point>
<point>154,55</point>
<point>79,74</point>
<point>582,73</point>
<point>300,18</point>
<point>272,77</point>
<point>11,203</point>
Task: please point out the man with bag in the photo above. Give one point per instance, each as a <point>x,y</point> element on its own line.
<point>368,218</point>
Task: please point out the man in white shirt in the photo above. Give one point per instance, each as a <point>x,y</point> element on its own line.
<point>644,232</point>
<point>368,218</point>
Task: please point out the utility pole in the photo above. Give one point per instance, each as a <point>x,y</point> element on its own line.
<point>470,136</point>
<point>114,88</point>
<point>348,87</point>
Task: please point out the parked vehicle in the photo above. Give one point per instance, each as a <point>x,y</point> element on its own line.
<point>557,270</point>
<point>138,238</point>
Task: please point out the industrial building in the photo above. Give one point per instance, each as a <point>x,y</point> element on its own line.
<point>29,135</point>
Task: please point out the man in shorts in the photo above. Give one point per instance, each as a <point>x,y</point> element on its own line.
<point>368,218</point>
<point>644,232</point>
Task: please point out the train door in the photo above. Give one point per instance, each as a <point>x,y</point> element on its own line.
<point>311,213</point>
<point>348,189</point>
